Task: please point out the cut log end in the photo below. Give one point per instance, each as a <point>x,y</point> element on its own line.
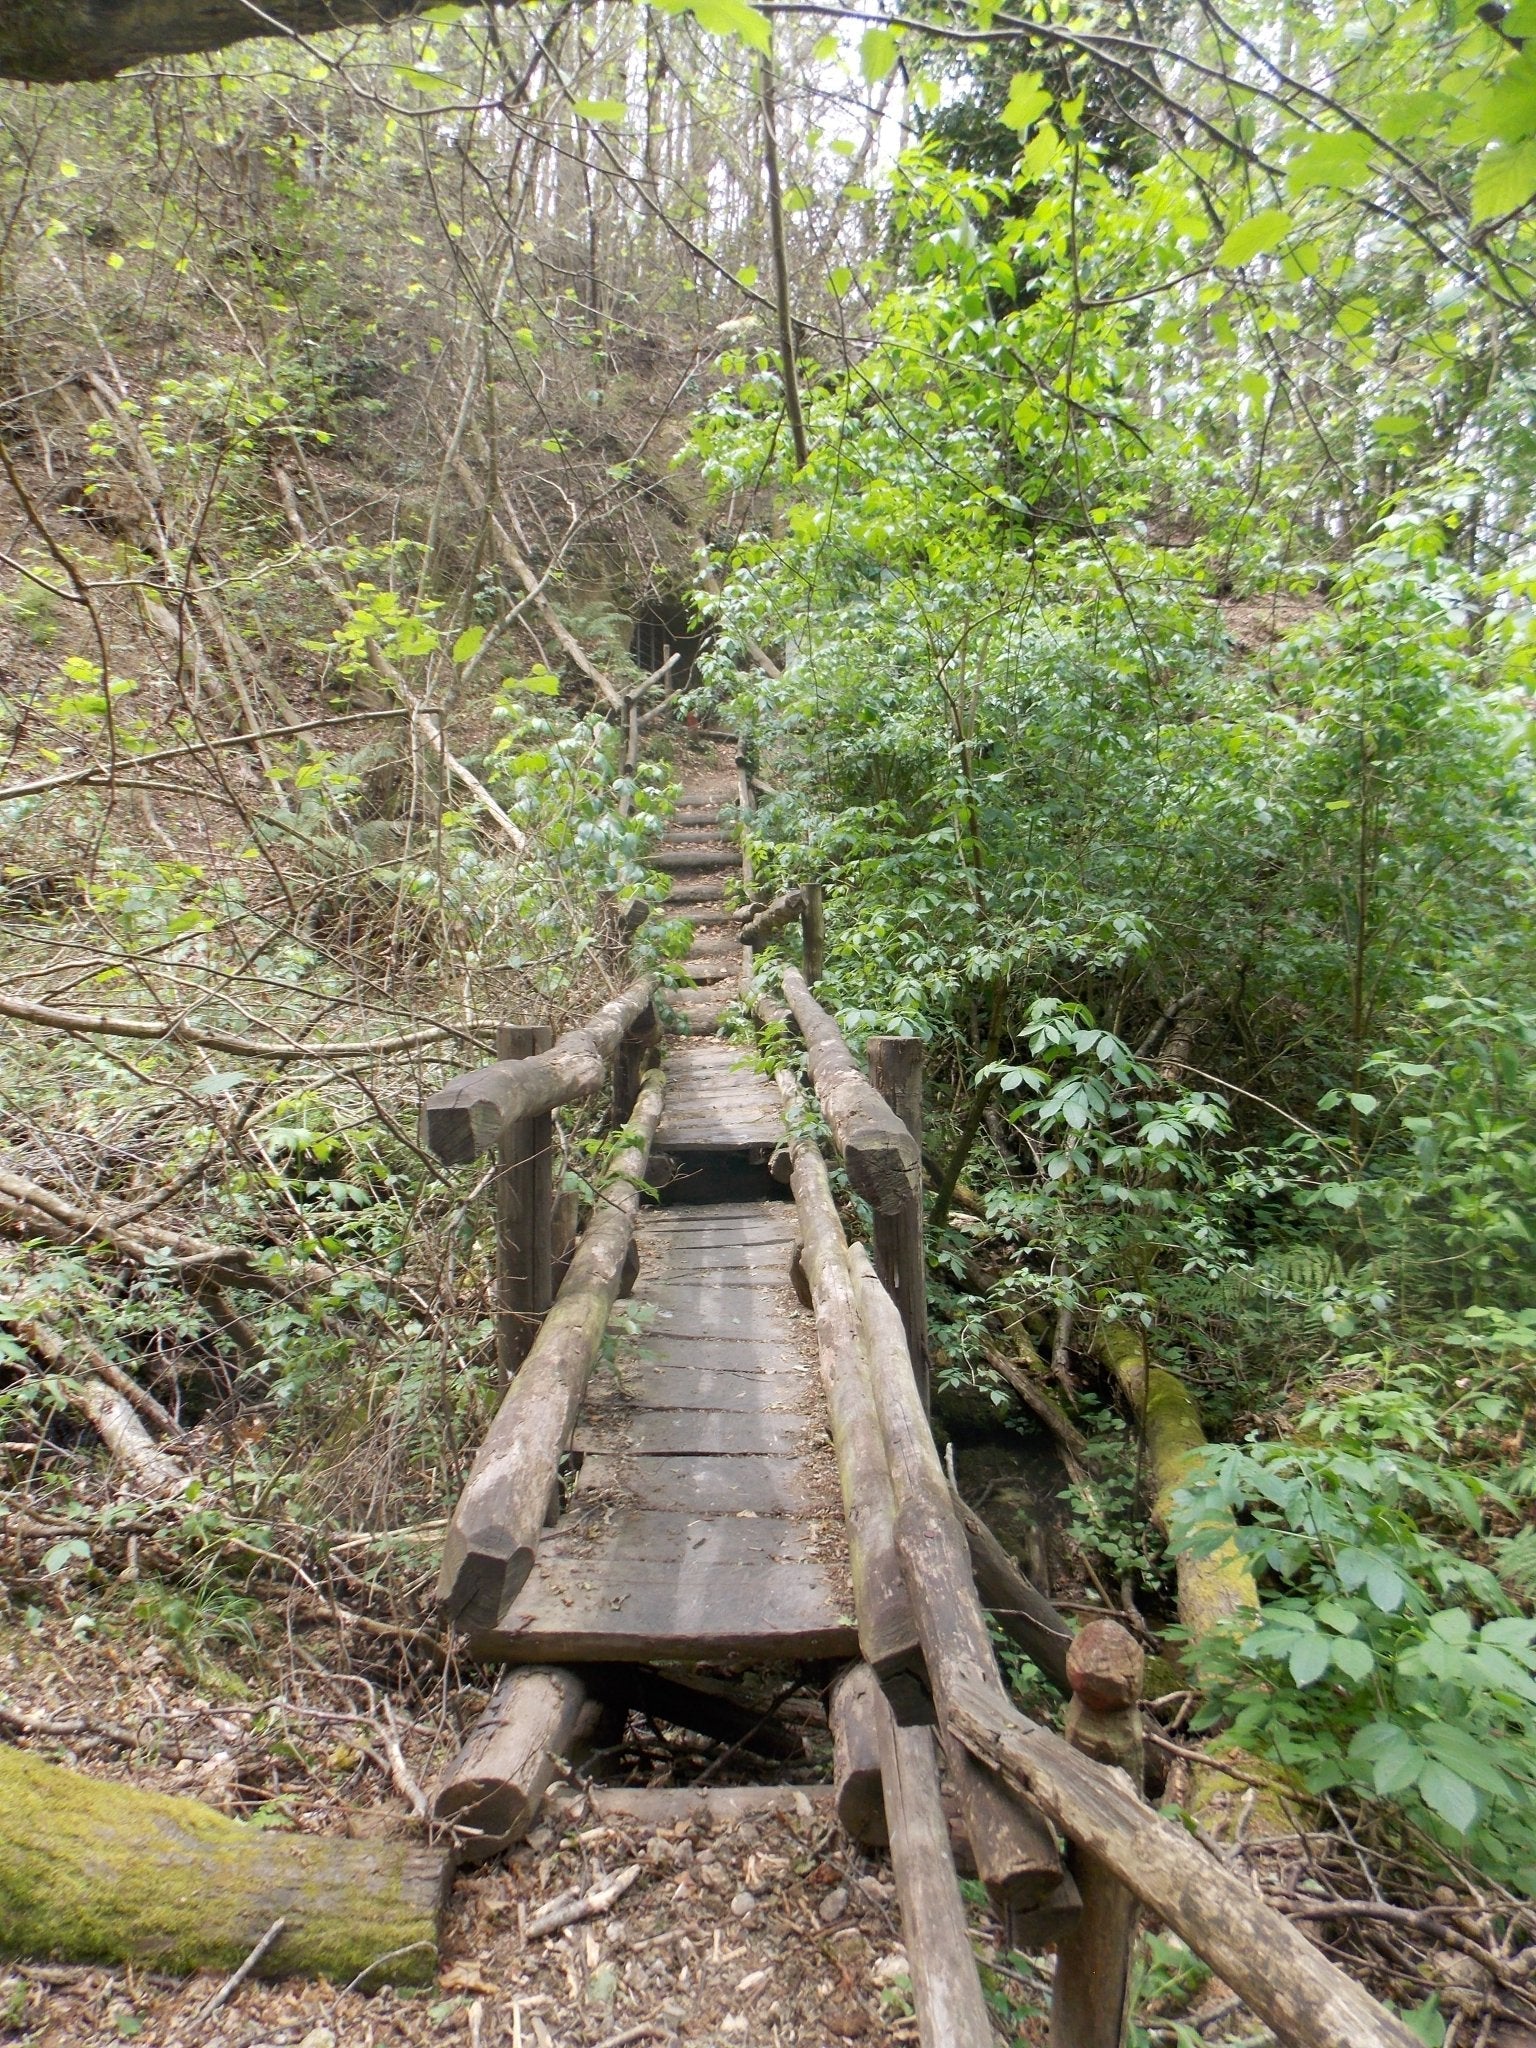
<point>479,1579</point>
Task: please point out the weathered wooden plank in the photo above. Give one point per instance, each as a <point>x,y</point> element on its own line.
<point>662,1386</point>
<point>715,1310</point>
<point>657,1612</point>
<point>604,1537</point>
<point>707,1352</point>
<point>618,1428</point>
<point>698,1485</point>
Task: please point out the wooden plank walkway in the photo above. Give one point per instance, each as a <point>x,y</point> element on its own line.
<point>706,1522</point>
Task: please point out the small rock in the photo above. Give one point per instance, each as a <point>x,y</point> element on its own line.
<point>753,1981</point>
<point>734,2023</point>
<point>318,2037</point>
<point>873,1890</point>
<point>743,1906</point>
<point>834,1905</point>
<point>886,1969</point>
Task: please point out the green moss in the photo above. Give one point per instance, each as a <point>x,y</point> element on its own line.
<point>94,1871</point>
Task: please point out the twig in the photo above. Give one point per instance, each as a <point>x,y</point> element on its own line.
<point>599,1898</point>
<point>231,1985</point>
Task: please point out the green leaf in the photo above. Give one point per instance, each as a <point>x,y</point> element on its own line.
<point>1366,1104</point>
<point>733,18</point>
<point>1255,236</point>
<point>1424,2022</point>
<point>1450,1796</point>
<point>1384,1587</point>
<point>600,110</point>
<point>747,275</point>
<point>840,279</point>
<point>1027,101</point>
<point>469,643</point>
<point>1353,1657</point>
<point>1309,1659</point>
<point>424,81</point>
<point>1505,179</point>
<point>878,51</point>
<point>66,1553</point>
<point>1342,1194</point>
<point>1336,162</point>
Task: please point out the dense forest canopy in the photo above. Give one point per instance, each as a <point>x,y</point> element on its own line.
<point>1087,454</point>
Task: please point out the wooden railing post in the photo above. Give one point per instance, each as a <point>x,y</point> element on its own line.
<point>813,934</point>
<point>896,1069</point>
<point>521,1191</point>
<point>629,1063</point>
<point>1090,2001</point>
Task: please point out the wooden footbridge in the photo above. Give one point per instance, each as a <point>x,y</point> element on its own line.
<point>713,1449</point>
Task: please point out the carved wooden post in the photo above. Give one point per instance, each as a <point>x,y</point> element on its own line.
<point>522,1197</point>
<point>1091,1998</point>
<point>896,1069</point>
<point>813,934</point>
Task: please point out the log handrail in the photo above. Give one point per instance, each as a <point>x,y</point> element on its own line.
<point>1306,1999</point>
<point>883,1159</point>
<point>471,1114</point>
<point>493,1536</point>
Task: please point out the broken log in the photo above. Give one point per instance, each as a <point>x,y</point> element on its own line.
<point>146,1467</point>
<point>488,1796</point>
<point>1015,1852</point>
<point>883,1159</point>
<point>887,1633</point>
<point>92,1871</point>
<point>494,1532</point>
<point>468,1117</point>
<point>946,1991</point>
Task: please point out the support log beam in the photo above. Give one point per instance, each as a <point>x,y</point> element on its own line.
<point>489,1795</point>
<point>1016,1855</point>
<point>887,1632</point>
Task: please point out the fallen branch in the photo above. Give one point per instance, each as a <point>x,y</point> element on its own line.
<point>175,1030</point>
<point>566,1912</point>
<point>54,1352</point>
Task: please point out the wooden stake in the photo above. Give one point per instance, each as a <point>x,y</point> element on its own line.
<point>813,934</point>
<point>1090,2000</point>
<point>855,1709</point>
<point>951,2012</point>
<point>521,1192</point>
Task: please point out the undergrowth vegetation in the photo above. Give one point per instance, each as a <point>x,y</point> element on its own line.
<point>1154,608</point>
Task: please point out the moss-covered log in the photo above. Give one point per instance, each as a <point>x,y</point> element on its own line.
<point>96,1872</point>
<point>1211,1589</point>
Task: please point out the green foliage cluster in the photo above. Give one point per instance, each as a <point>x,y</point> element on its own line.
<point>1154,625</point>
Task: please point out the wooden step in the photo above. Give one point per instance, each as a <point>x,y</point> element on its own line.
<point>692,861</point>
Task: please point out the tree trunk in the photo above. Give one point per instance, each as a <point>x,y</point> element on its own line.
<point>97,1872</point>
